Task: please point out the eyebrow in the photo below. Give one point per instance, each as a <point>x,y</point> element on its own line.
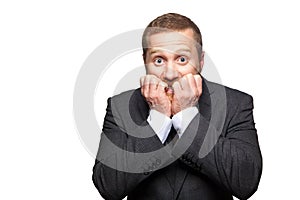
<point>153,51</point>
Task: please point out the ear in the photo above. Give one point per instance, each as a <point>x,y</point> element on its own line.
<point>202,60</point>
<point>144,58</point>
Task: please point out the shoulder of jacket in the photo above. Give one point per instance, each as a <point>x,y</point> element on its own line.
<point>230,92</point>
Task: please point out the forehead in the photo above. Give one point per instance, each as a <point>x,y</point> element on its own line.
<point>172,41</point>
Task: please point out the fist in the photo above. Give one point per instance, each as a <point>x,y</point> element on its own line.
<point>187,91</point>
<point>153,89</point>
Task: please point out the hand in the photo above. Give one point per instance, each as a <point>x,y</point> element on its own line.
<point>187,91</point>
<point>153,89</point>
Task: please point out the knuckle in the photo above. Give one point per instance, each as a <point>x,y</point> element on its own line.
<point>175,84</point>
<point>163,84</point>
<point>189,76</point>
<point>153,81</point>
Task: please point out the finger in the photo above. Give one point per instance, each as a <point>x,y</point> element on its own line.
<point>184,83</point>
<point>153,85</point>
<point>192,85</point>
<point>177,88</point>
<point>191,80</point>
<point>161,86</point>
<point>198,80</point>
<point>142,81</point>
<point>142,84</point>
<point>146,85</point>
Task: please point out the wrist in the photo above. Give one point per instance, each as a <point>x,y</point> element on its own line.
<point>166,113</point>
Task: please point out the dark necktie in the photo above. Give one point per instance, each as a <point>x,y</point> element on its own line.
<point>172,137</point>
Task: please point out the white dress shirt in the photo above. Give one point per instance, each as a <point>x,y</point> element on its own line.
<point>161,124</point>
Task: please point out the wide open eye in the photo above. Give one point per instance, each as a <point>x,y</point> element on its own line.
<point>182,60</point>
<point>158,61</point>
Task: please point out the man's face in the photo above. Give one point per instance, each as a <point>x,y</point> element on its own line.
<point>171,55</point>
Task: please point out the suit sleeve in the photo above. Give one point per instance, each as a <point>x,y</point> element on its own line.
<point>118,168</point>
<point>235,161</point>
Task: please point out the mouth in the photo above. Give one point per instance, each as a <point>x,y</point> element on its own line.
<point>169,91</point>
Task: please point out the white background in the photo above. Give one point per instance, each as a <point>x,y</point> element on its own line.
<point>255,46</point>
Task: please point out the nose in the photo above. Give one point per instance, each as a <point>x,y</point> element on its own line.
<point>170,74</point>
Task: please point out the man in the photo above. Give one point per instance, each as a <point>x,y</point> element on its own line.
<point>179,136</point>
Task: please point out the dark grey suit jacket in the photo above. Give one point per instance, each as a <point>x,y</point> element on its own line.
<point>217,156</point>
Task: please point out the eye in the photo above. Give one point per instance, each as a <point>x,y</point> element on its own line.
<point>158,61</point>
<point>182,60</point>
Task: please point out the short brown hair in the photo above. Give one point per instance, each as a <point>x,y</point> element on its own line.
<point>171,22</point>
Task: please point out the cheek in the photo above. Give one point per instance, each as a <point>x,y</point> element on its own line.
<point>188,69</point>
<point>194,67</point>
<point>194,64</point>
<point>151,69</point>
